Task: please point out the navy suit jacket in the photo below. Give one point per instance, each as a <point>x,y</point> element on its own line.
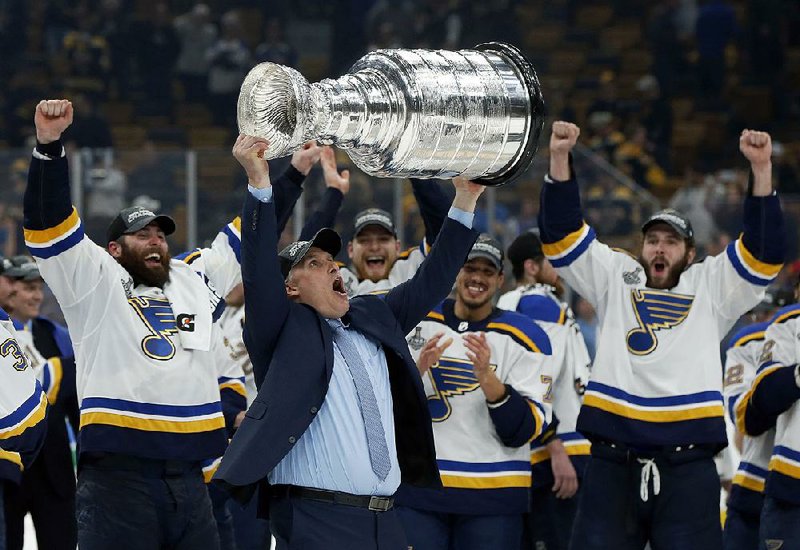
<point>291,348</point>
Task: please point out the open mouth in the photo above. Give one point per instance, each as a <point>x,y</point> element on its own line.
<point>375,262</point>
<point>152,260</point>
<point>659,268</point>
<point>338,286</point>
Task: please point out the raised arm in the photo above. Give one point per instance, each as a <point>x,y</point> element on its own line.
<point>433,205</point>
<point>287,187</point>
<point>337,185</point>
<point>266,303</point>
<point>431,284</point>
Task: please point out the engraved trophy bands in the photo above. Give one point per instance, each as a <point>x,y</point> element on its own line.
<point>407,113</point>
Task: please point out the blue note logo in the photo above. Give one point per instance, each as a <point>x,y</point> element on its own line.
<point>655,310</point>
<point>156,314</point>
<point>450,377</point>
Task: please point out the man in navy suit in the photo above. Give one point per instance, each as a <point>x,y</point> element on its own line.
<point>341,416</point>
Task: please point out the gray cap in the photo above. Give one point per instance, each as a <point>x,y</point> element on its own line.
<point>25,271</point>
<point>674,219</point>
<point>374,216</point>
<point>135,218</point>
<point>488,248</point>
<point>326,239</point>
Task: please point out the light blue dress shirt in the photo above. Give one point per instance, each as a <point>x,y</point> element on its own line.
<point>333,453</point>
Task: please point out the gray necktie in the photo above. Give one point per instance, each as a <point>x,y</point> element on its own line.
<point>376,437</point>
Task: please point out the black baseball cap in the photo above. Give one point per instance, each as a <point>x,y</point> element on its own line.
<point>134,218</point>
<point>374,216</point>
<point>25,271</point>
<point>326,239</point>
<point>527,246</point>
<point>488,248</point>
<point>674,219</point>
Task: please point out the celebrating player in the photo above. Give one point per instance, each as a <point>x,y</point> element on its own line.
<point>653,408</point>
<point>488,392</point>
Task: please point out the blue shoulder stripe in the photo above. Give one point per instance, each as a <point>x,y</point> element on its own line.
<point>523,330</point>
<point>748,334</point>
<point>786,313</point>
<point>541,308</point>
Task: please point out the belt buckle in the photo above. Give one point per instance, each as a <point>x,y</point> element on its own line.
<point>379,504</point>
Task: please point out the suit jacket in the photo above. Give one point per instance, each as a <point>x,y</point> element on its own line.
<point>291,349</point>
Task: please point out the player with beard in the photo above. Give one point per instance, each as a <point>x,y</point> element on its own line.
<point>142,325</point>
<point>653,408</point>
<point>485,374</point>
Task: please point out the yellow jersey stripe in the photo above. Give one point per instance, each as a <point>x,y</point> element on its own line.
<point>741,405</point>
<point>762,268</point>
<point>238,387</point>
<point>43,236</point>
<point>11,456</point>
<point>671,415</point>
<point>499,482</point>
<point>516,332</point>
<point>749,483</point>
<point>565,244</point>
<point>152,424</point>
<point>780,465</point>
<point>36,416</point>
<point>58,374</point>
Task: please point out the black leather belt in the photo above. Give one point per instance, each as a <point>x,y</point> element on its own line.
<point>375,504</point>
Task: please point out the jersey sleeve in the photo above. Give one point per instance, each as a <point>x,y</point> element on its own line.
<point>571,244</point>
<point>230,378</point>
<point>526,413</point>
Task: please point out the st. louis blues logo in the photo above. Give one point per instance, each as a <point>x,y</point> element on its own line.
<point>655,310</point>
<point>450,377</point>
<point>159,319</point>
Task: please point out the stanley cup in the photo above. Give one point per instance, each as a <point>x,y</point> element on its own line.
<point>407,113</point>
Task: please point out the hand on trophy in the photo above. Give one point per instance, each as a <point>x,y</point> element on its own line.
<point>562,140</point>
<point>306,157</point>
<point>333,178</point>
<point>52,117</point>
<point>467,193</point>
<point>249,151</point>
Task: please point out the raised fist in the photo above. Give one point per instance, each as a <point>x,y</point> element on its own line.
<point>756,146</point>
<point>249,151</point>
<point>52,117</point>
<point>563,137</point>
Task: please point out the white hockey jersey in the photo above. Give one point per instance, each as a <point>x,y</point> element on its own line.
<point>403,269</point>
<point>570,363</point>
<point>147,381</point>
<point>780,354</point>
<point>23,406</point>
<point>483,468</point>
<point>741,365</point>
<point>656,375</point>
<point>231,324</point>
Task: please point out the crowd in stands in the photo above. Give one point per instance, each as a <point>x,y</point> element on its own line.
<point>660,90</point>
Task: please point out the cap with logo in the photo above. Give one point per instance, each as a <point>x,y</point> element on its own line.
<point>22,268</point>
<point>326,239</point>
<point>674,219</point>
<point>374,216</point>
<point>488,248</point>
<point>134,218</point>
<point>527,246</point>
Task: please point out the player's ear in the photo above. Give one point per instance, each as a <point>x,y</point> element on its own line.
<point>115,249</point>
<point>690,255</point>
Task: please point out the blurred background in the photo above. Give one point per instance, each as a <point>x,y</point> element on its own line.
<point>661,90</point>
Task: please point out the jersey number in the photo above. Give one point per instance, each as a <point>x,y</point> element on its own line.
<point>11,348</point>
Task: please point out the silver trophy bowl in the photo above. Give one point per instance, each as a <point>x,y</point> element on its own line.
<point>475,113</point>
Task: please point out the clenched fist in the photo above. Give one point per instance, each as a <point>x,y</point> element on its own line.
<point>52,117</point>
<point>563,137</point>
<point>756,146</point>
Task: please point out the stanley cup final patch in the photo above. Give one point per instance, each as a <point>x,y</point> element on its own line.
<point>416,341</point>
